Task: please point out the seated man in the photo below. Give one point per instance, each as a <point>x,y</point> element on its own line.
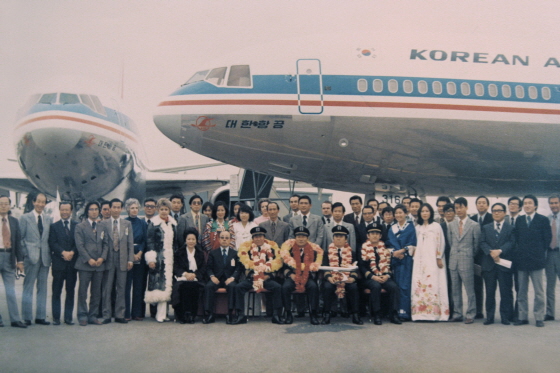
<point>223,270</point>
<point>301,264</point>
<point>340,254</point>
<point>375,265</point>
<point>261,259</point>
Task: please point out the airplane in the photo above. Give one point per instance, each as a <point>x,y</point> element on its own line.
<point>388,115</point>
<point>73,148</point>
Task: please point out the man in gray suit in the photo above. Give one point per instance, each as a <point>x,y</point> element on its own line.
<point>276,230</point>
<point>35,227</point>
<point>294,208</point>
<point>90,264</point>
<point>464,236</point>
<point>552,269</point>
<point>10,254</point>
<point>307,220</point>
<point>192,219</point>
<point>338,212</point>
<point>119,242</point>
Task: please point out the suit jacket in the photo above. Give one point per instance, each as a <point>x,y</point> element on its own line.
<point>282,232</point>
<point>505,242</point>
<point>349,218</point>
<point>216,267</point>
<point>187,221</point>
<point>314,224</point>
<point>532,242</point>
<point>447,250</point>
<point>60,241</point>
<point>126,243</point>
<point>361,234</point>
<point>487,219</point>
<point>17,254</point>
<point>32,242</point>
<point>90,246</point>
<point>287,217</point>
<point>181,263</point>
<point>464,247</point>
<point>328,235</point>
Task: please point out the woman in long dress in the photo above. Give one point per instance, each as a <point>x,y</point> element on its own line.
<point>429,283</point>
<point>242,228</point>
<point>402,238</point>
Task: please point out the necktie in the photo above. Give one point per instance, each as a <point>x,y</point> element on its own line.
<point>66,227</point>
<point>197,222</point>
<point>512,220</point>
<point>40,225</point>
<point>304,221</point>
<point>177,217</point>
<point>6,234</point>
<point>116,235</point>
<point>528,221</point>
<point>339,257</point>
<point>273,229</point>
<point>497,230</point>
<point>460,228</point>
<point>554,243</point>
<point>224,256</point>
<point>328,220</point>
<point>357,220</point>
<point>93,225</point>
<point>149,221</point>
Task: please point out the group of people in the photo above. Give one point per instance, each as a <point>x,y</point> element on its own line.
<point>339,263</point>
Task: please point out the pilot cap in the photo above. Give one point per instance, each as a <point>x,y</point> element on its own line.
<point>257,231</point>
<point>340,229</point>
<point>301,231</point>
<point>374,227</point>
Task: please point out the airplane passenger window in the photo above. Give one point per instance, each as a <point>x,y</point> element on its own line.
<point>506,91</point>
<point>69,98</point>
<point>87,101</point>
<point>378,85</point>
<point>239,76</point>
<point>519,91</point>
<point>479,89</point>
<point>423,87</point>
<point>437,88</point>
<point>197,77</point>
<point>48,98</point>
<point>451,88</point>
<point>97,103</point>
<point>407,86</point>
<point>533,92</point>
<point>465,89</point>
<point>362,85</point>
<point>217,76</point>
<point>545,92</point>
<point>492,90</point>
<point>393,86</point>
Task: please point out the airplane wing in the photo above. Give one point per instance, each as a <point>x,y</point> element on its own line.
<point>16,182</point>
<point>187,168</point>
<point>158,184</point>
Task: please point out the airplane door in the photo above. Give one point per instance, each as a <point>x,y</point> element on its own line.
<point>309,86</point>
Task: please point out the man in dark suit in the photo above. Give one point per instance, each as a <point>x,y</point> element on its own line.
<point>482,218</point>
<point>294,208</point>
<point>223,270</point>
<point>276,230</point>
<point>368,214</point>
<point>119,241</point>
<point>326,209</point>
<point>376,212</point>
<point>177,204</point>
<point>387,221</point>
<point>497,242</point>
<point>552,268</point>
<point>448,218</point>
<point>533,236</point>
<point>63,254</point>
<point>11,256</point>
<point>355,217</point>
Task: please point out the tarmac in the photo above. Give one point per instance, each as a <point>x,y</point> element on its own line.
<point>261,346</point>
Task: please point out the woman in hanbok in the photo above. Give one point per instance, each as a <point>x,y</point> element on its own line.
<point>402,238</point>
<point>429,282</point>
<point>242,229</point>
<point>219,223</point>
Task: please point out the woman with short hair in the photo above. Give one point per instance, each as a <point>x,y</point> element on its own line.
<point>242,228</point>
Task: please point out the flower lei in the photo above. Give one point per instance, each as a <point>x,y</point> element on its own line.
<point>346,254</point>
<point>261,262</point>
<point>368,254</point>
<point>295,260</point>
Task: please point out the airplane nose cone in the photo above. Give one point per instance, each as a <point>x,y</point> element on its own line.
<point>169,125</point>
<point>56,140</point>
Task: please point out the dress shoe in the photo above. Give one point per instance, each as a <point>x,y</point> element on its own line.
<point>289,317</point>
<point>277,320</point>
<point>469,321</point>
<point>540,324</point>
<point>377,319</point>
<point>68,322</point>
<point>138,318</point>
<point>356,319</point>
<point>42,322</point>
<point>209,319</point>
<point>313,318</point>
<point>300,315</point>
<point>121,320</point>
<point>521,322</point>
<point>106,321</point>
<point>27,322</point>
<point>192,319</point>
<point>241,319</point>
<point>457,319</point>
<point>97,322</point>
<point>56,322</point>
<point>479,316</point>
<point>229,319</point>
<point>19,324</point>
<point>488,322</point>
<point>83,323</point>
<point>326,319</point>
<point>549,318</point>
<point>506,322</point>
<point>1,324</point>
<point>395,319</point>
<point>333,313</point>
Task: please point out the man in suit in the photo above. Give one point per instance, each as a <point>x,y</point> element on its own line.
<point>11,256</point>
<point>376,212</point>
<point>294,208</point>
<point>482,218</point>
<point>355,217</point>
<point>307,220</point>
<point>105,210</point>
<point>177,204</point>
<point>552,268</point>
<point>192,219</point>
<point>440,203</point>
<point>64,254</point>
<point>464,238</point>
<point>449,217</point>
<point>326,208</point>
<point>388,219</point>
<point>533,236</point>
<point>361,231</point>
<point>497,242</point>
<point>223,270</point>
<point>415,205</point>
<point>338,211</point>
<point>119,242</point>
<point>406,202</point>
<point>35,227</point>
<point>276,230</point>
<point>90,264</point>
<point>150,213</point>
<point>514,207</point>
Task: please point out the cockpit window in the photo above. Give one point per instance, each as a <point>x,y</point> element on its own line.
<point>69,98</point>
<point>197,77</point>
<point>97,104</point>
<point>87,101</point>
<point>48,98</point>
<point>239,76</point>
<point>217,76</point>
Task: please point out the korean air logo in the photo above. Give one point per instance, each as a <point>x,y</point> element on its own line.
<point>203,123</point>
<point>366,52</point>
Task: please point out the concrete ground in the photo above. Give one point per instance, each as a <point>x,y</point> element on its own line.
<point>261,346</point>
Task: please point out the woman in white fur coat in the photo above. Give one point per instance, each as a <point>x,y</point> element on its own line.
<point>159,256</point>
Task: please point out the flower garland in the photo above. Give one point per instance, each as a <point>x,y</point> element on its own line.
<point>295,260</point>
<point>264,261</point>
<point>368,254</point>
<point>346,254</point>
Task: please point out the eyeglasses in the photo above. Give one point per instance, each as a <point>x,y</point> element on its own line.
<point>196,203</point>
<point>150,206</point>
<point>498,211</point>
